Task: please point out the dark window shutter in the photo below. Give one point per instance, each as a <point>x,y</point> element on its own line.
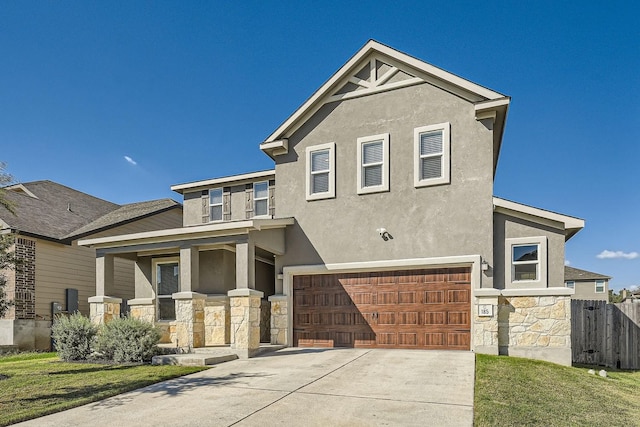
<point>249,202</point>
<point>226,205</point>
<point>205,207</point>
<point>272,199</point>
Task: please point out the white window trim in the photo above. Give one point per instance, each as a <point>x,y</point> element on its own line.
<point>154,281</point>
<point>573,284</point>
<point>221,204</point>
<point>446,155</point>
<point>541,241</point>
<point>255,199</point>
<point>384,137</point>
<point>604,287</point>
<point>331,146</point>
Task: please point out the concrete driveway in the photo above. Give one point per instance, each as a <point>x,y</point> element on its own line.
<point>311,387</point>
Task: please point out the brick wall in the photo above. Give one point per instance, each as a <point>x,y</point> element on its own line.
<point>25,284</point>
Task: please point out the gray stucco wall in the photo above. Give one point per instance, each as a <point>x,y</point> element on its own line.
<point>217,272</point>
<point>445,220</point>
<point>587,290</point>
<point>506,227</point>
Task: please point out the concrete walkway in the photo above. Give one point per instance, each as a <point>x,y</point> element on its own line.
<point>293,386</point>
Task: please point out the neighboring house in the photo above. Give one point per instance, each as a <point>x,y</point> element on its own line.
<point>632,296</point>
<point>377,228</point>
<point>587,285</point>
<point>49,219</point>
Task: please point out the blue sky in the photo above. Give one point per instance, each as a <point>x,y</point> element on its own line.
<point>187,90</point>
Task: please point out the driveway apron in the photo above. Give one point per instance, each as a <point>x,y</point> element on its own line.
<point>294,386</point>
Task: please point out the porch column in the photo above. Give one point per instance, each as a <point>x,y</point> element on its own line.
<point>245,321</point>
<point>104,274</point>
<point>189,268</point>
<point>245,265</point>
<point>102,307</point>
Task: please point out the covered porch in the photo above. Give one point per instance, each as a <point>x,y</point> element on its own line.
<point>203,285</point>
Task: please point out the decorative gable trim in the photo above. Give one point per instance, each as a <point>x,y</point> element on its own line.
<point>417,72</point>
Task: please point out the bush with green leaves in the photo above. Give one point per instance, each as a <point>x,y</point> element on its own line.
<point>73,336</point>
<point>127,340</point>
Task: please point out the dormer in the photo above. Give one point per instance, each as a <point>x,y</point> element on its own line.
<point>231,198</point>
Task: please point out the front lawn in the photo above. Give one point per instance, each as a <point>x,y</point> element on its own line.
<point>511,391</point>
<point>36,384</point>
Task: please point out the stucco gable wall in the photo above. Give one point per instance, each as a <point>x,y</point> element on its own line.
<point>586,289</point>
<point>444,220</point>
<point>506,227</point>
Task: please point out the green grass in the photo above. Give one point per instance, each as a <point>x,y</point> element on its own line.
<point>511,391</point>
<point>40,384</point>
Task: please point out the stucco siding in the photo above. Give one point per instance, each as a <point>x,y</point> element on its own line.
<point>444,220</point>
<point>192,208</point>
<point>507,227</point>
<point>587,290</point>
<point>217,272</point>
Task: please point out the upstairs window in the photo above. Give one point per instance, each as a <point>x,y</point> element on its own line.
<point>373,164</point>
<point>215,204</point>
<point>570,284</point>
<point>431,155</point>
<point>261,198</point>
<point>320,181</point>
<point>599,286</point>
<point>525,262</point>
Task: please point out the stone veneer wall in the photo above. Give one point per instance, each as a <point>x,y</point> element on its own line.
<point>217,321</point>
<point>535,326</point>
<point>485,332</point>
<point>103,312</point>
<point>279,319</point>
<point>144,312</point>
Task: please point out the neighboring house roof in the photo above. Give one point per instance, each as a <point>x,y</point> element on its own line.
<point>488,103</point>
<point>125,214</point>
<point>56,212</point>
<point>570,224</point>
<point>575,274</point>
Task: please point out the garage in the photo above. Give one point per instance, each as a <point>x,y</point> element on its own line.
<point>413,309</point>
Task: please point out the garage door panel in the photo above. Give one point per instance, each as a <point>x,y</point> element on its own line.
<point>393,309</point>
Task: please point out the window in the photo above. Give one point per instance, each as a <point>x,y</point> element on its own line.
<point>599,286</point>
<point>261,198</point>
<point>215,204</point>
<point>526,261</point>
<point>570,284</point>
<point>373,164</point>
<point>321,171</point>
<point>431,155</point>
<point>167,275</point>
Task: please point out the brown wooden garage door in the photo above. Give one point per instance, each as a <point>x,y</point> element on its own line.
<point>423,309</point>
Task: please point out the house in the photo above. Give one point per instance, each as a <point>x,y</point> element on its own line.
<point>586,284</point>
<point>55,273</point>
<point>631,296</point>
<point>378,227</point>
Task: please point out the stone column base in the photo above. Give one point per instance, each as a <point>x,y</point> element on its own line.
<point>217,320</point>
<point>485,321</point>
<point>279,319</point>
<point>143,309</point>
<point>103,309</point>
<point>189,320</point>
<point>245,321</point>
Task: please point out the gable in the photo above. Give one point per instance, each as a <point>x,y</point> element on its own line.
<point>377,68</point>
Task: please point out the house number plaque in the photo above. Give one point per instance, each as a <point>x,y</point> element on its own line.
<point>485,310</point>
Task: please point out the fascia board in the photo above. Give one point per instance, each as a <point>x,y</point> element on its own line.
<point>233,179</point>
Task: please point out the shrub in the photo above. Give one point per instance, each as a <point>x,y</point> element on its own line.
<point>128,340</point>
<point>73,336</point>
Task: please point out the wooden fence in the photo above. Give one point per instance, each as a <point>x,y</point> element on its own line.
<point>605,334</point>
